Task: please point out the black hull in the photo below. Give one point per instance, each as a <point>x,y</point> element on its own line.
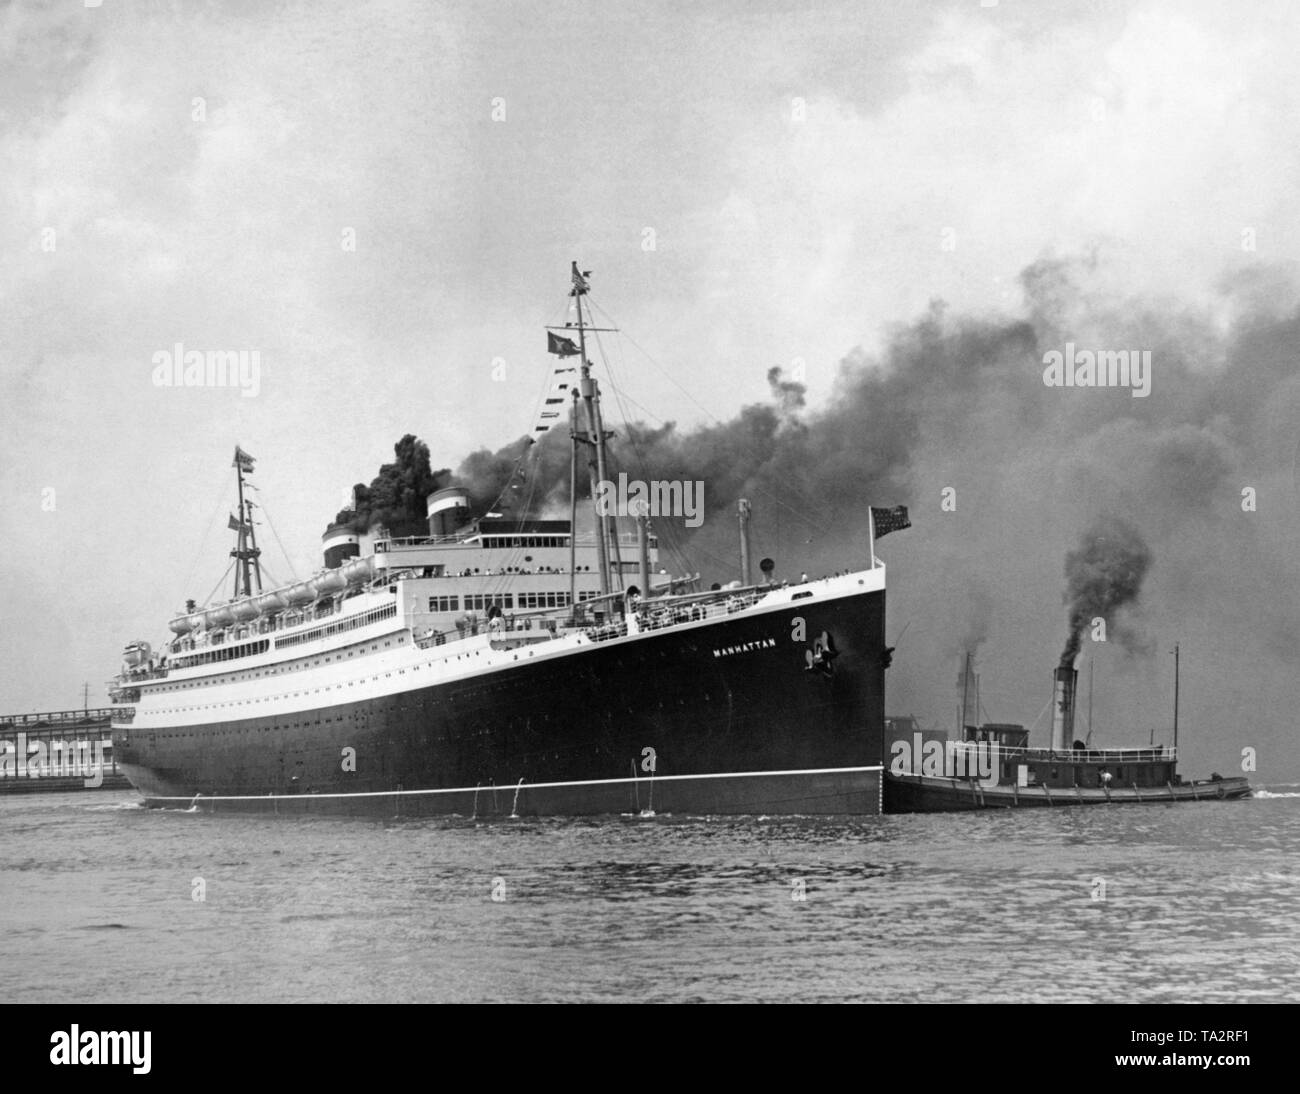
<point>931,794</point>
<point>835,791</point>
<point>751,731</point>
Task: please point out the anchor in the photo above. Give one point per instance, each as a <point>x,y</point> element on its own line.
<point>819,658</point>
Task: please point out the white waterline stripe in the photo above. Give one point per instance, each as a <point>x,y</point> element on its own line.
<point>510,786</point>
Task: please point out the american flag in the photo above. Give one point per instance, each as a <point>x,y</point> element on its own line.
<point>889,520</point>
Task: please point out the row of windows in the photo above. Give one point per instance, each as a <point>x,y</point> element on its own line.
<point>480,602</point>
<point>525,541</point>
<point>226,653</point>
<point>543,600</point>
<point>499,542</point>
<point>372,616</point>
<point>271,670</point>
<point>359,651</point>
<point>476,602</point>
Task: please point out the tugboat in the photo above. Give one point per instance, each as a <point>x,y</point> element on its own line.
<point>992,765</point>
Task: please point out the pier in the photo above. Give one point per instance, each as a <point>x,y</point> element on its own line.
<point>58,750</point>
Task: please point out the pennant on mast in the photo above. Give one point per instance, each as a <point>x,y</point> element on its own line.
<point>561,347</point>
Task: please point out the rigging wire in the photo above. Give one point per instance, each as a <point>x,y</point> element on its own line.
<point>222,497</point>
<point>270,524</point>
<point>668,532</point>
<point>757,487</point>
<point>219,583</point>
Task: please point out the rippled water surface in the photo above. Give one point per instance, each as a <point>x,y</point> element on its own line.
<point>1143,903</point>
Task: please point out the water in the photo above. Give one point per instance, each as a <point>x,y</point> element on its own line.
<point>1201,903</point>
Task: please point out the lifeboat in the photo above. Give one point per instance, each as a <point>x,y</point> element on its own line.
<point>195,620</point>
<point>136,654</point>
<point>182,624</point>
<point>359,570</point>
<point>302,593</point>
<point>245,610</point>
<point>331,581</point>
<point>219,617</point>
<point>270,603</point>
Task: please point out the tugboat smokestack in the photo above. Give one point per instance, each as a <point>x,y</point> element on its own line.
<point>1065,685</point>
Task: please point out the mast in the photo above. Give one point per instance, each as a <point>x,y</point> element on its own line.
<point>1092,664</point>
<point>246,550</point>
<point>253,550</point>
<point>965,697</point>
<point>746,571</point>
<point>643,550</point>
<point>573,506</point>
<point>612,533</point>
<point>241,555</point>
<point>595,434</point>
<point>1175,698</point>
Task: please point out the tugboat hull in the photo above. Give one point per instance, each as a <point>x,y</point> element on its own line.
<point>934,794</point>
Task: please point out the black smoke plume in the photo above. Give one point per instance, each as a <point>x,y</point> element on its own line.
<point>396,496</point>
<point>1103,575</point>
<point>958,403</point>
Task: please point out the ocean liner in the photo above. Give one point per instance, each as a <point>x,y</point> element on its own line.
<point>502,666</point>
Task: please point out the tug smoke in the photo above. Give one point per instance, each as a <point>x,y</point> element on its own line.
<point>1103,575</point>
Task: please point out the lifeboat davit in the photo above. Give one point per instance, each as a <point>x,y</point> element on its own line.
<point>270,603</point>
<point>244,610</point>
<point>302,593</point>
<point>359,570</point>
<point>331,581</point>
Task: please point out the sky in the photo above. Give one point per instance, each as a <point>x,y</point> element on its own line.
<point>383,202</point>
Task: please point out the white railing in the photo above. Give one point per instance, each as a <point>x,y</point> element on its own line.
<point>650,618</point>
<point>1155,754</point>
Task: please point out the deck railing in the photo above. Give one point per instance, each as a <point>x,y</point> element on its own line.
<point>1157,754</point>
<point>56,718</point>
<point>649,618</point>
